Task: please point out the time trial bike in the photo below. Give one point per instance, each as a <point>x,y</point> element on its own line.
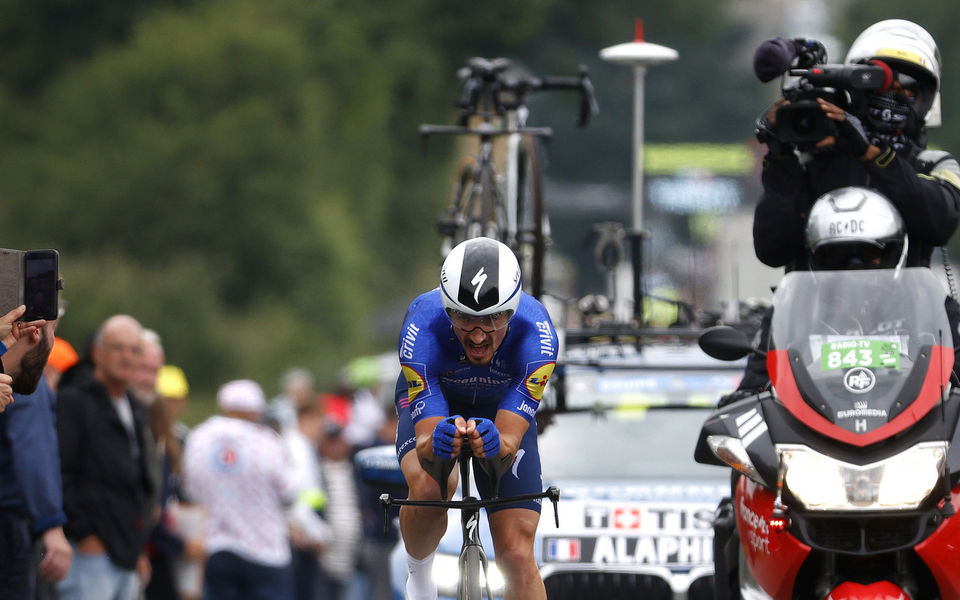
<point>473,560</point>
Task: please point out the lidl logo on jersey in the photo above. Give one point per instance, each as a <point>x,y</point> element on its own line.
<point>535,382</point>
<point>415,382</point>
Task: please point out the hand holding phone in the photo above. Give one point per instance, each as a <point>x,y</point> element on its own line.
<point>13,329</point>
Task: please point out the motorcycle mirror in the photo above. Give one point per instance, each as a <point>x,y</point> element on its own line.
<point>725,343</point>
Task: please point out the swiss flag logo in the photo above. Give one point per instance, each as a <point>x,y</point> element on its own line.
<point>626,518</point>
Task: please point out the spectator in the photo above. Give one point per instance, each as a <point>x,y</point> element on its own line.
<point>238,470</point>
<point>308,531</point>
<point>169,547</point>
<point>106,487</point>
<point>11,331</point>
<point>362,378</point>
<point>30,490</point>
<point>62,357</point>
<point>144,389</point>
<point>144,386</point>
<point>296,389</point>
<point>340,560</point>
<point>337,407</point>
<point>377,544</point>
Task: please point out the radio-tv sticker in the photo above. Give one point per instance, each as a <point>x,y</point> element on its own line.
<point>850,353</point>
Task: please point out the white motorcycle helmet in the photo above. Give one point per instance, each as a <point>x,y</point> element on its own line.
<point>855,228</point>
<point>480,284</point>
<point>906,48</point>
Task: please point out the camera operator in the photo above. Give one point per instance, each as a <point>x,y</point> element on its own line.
<point>877,140</point>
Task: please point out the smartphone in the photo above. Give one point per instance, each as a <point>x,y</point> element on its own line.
<point>41,280</point>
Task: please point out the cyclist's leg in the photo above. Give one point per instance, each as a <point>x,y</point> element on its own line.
<point>420,527</point>
<point>513,531</point>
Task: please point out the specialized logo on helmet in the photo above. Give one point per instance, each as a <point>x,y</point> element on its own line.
<point>859,380</point>
<point>481,261</point>
<point>478,281</point>
<point>415,383</point>
<point>536,382</point>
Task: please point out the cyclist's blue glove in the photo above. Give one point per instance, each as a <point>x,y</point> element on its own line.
<point>443,435</point>
<point>490,435</point>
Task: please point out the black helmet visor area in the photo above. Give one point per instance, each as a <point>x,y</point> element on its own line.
<point>479,287</point>
<point>857,255</point>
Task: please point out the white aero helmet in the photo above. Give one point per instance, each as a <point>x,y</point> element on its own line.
<point>480,284</point>
<point>855,228</point>
<point>906,48</point>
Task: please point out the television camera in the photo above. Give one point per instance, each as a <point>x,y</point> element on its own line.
<point>801,121</point>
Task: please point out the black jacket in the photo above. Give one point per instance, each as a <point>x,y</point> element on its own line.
<point>924,186</point>
<point>106,488</point>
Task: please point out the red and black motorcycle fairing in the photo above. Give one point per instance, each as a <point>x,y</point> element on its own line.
<point>862,429</point>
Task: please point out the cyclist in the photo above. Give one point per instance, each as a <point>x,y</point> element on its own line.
<point>480,349</point>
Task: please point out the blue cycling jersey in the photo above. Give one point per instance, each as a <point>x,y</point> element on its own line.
<point>437,370</point>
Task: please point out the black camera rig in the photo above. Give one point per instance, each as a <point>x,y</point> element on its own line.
<point>801,121</point>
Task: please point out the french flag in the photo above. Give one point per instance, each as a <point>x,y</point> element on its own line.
<point>563,550</point>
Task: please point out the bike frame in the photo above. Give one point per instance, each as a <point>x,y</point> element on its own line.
<point>469,508</point>
<point>493,207</point>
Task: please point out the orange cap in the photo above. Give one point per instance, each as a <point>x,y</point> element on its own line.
<point>62,355</point>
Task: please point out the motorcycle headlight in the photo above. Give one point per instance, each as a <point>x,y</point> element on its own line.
<point>446,572</point>
<point>824,483</point>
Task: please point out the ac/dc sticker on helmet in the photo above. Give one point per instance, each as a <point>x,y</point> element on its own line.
<point>536,381</point>
<point>416,384</point>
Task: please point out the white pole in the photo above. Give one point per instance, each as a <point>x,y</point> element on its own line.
<point>639,73</point>
<point>639,54</point>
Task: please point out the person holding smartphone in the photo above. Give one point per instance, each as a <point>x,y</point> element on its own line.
<point>31,501</point>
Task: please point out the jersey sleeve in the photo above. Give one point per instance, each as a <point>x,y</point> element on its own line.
<point>417,351</point>
<point>536,360</point>
<point>928,198</point>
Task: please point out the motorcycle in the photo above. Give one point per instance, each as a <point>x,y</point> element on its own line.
<point>846,470</point>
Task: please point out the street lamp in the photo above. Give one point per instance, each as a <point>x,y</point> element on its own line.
<point>639,55</point>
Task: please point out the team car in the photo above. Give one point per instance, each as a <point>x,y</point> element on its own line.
<point>635,511</point>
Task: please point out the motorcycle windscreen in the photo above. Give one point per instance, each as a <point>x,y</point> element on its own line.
<point>860,355</point>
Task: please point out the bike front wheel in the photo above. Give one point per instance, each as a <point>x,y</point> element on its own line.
<point>470,569</point>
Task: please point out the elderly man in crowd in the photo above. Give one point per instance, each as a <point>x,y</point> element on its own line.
<point>106,485</point>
